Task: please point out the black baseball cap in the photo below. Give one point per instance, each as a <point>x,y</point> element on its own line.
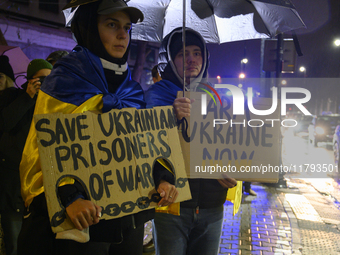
<point>110,6</point>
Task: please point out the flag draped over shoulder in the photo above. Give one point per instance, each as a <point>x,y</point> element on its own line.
<point>161,93</point>
<point>76,84</point>
<point>80,76</point>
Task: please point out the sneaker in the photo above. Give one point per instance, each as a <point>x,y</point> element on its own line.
<point>150,247</point>
<point>250,192</point>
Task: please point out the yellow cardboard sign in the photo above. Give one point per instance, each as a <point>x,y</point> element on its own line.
<point>245,147</point>
<point>112,155</point>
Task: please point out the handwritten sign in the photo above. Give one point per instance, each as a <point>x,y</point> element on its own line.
<point>112,155</point>
<point>245,147</point>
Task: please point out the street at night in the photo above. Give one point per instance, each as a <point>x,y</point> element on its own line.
<point>271,68</point>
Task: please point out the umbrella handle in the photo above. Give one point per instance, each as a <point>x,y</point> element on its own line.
<point>183,41</point>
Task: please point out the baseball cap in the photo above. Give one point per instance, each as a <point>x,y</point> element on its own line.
<point>110,6</point>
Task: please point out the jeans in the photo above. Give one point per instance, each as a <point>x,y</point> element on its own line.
<point>190,233</point>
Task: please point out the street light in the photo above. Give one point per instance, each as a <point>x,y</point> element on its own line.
<point>242,76</point>
<point>244,61</point>
<point>218,78</point>
<point>243,68</point>
<point>337,42</point>
<point>303,70</point>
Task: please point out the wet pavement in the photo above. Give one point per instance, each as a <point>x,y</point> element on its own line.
<point>299,219</point>
<point>303,218</point>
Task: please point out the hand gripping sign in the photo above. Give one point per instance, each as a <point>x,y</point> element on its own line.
<point>112,155</point>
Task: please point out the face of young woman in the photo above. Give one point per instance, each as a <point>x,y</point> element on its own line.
<point>114,32</point>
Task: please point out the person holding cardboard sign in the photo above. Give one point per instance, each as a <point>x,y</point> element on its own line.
<point>197,229</point>
<point>94,77</point>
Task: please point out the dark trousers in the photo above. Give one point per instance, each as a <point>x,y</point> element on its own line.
<point>11,225</point>
<point>132,242</point>
<point>36,236</point>
<point>246,185</point>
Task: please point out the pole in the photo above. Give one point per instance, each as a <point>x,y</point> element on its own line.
<point>183,41</point>
<point>278,75</point>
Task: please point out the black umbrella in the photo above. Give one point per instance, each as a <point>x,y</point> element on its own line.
<point>218,21</point>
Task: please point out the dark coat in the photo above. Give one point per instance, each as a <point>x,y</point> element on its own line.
<point>16,112</point>
<point>206,193</point>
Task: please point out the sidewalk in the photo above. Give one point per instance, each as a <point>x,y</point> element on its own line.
<point>262,226</point>
<point>297,220</point>
<point>293,220</point>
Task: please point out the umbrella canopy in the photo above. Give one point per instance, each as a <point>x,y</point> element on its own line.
<point>17,58</point>
<point>218,21</point>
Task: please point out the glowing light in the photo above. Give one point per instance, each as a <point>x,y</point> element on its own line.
<point>244,61</point>
<point>337,42</point>
<point>302,69</point>
<point>242,76</point>
<point>218,77</point>
<point>283,82</point>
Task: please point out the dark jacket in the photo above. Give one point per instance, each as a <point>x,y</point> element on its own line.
<point>205,193</point>
<point>16,112</point>
<point>84,71</point>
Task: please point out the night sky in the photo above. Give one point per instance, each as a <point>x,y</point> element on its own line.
<point>320,57</point>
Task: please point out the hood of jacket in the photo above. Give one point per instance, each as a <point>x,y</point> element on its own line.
<point>166,66</point>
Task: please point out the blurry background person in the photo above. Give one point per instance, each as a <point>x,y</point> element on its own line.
<point>155,74</point>
<point>6,74</point>
<point>55,55</point>
<point>16,112</point>
<point>6,81</point>
<point>247,189</point>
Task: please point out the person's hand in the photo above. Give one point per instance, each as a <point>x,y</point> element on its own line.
<point>33,87</point>
<point>227,182</point>
<point>168,193</point>
<point>182,106</point>
<point>83,213</point>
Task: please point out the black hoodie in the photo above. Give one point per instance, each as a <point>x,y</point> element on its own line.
<point>206,193</point>
<point>166,66</point>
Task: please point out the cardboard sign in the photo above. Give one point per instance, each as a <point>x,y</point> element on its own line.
<point>245,147</point>
<point>112,155</point>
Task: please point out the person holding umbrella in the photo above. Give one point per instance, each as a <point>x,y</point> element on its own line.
<point>197,229</point>
<point>93,77</point>
<point>16,112</point>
